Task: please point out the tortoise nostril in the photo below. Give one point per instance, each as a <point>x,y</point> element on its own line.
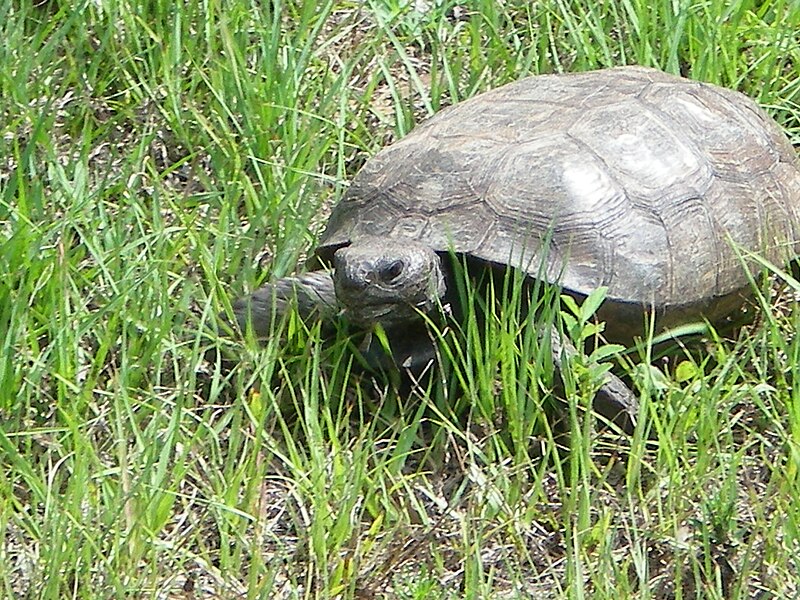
<point>392,271</point>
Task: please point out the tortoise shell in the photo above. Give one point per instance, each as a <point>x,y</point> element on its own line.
<point>630,178</point>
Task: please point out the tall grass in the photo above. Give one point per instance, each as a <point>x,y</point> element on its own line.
<point>159,159</point>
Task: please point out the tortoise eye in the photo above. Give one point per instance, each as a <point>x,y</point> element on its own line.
<point>391,271</point>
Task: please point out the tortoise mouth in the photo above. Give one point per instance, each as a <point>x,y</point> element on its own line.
<point>384,313</point>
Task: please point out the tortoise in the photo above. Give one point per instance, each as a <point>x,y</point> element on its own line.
<point>646,183</point>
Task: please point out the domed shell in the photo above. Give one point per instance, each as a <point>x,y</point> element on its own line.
<point>630,178</point>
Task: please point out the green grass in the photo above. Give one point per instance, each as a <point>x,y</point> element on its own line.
<point>159,159</point>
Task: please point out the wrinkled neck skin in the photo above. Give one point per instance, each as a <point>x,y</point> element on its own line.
<point>388,282</point>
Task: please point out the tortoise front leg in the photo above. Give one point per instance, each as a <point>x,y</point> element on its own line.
<point>311,293</point>
<point>614,400</point>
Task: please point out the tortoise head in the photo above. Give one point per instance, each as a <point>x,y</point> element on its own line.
<point>387,281</point>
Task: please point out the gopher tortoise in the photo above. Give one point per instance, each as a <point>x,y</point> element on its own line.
<point>649,184</point>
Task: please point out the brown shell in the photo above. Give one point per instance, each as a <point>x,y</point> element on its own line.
<point>628,178</point>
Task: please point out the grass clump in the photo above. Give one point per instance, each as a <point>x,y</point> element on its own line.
<point>160,159</point>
